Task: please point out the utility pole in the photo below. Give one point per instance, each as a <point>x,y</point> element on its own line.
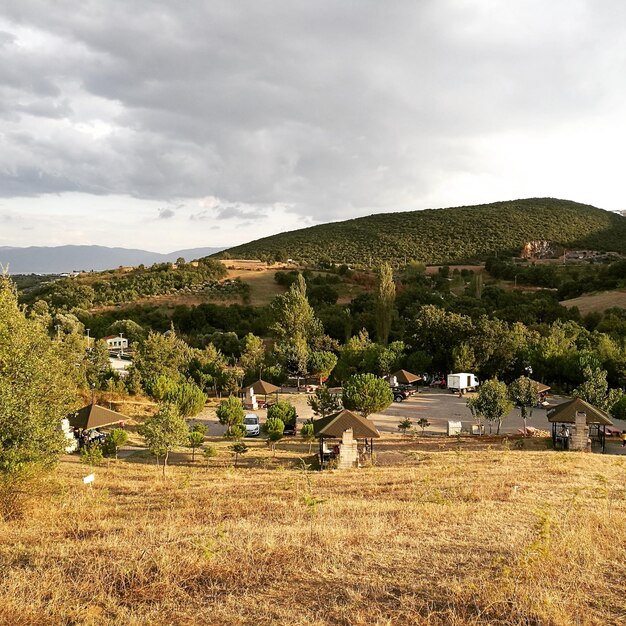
<point>88,342</point>
<point>58,327</point>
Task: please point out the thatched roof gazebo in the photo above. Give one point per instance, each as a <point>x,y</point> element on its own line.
<point>595,419</point>
<point>95,416</point>
<point>406,378</point>
<point>334,426</point>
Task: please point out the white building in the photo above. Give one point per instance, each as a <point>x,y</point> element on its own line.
<point>115,342</point>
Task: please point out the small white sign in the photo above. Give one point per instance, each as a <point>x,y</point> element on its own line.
<point>89,479</point>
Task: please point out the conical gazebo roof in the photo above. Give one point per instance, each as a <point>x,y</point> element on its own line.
<point>334,426</point>
<point>565,413</point>
<point>95,416</point>
<point>262,388</point>
<point>406,378</point>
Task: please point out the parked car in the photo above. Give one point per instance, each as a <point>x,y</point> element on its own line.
<point>399,394</point>
<point>253,425</point>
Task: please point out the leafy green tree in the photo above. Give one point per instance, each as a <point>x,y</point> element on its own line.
<point>116,438</point>
<point>437,332</point>
<point>295,318</point>
<point>230,413</point>
<point>595,388</point>
<point>366,394</point>
<point>321,364</point>
<point>40,312</point>
<point>36,393</point>
<point>492,402</point>
<point>164,431</point>
<point>252,356</point>
<point>195,440</point>
<point>209,453</point>
<point>97,365</point>
<point>163,354</point>
<point>237,448</point>
<point>463,358</point>
<point>308,434</point>
<point>187,397</point>
<point>68,324</point>
<point>385,298</point>
<point>524,392</point>
<point>134,332</point>
<point>295,357</point>
<point>284,411</point>
<point>274,428</point>
<point>160,386</point>
<point>324,402</point>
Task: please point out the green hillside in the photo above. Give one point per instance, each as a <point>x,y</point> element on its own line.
<point>454,235</point>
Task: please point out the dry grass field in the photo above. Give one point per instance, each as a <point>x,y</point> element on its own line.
<point>598,301</point>
<point>456,537</point>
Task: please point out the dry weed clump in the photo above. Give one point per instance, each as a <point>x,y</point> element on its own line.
<point>490,537</point>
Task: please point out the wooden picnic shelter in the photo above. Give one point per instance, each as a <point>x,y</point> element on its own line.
<point>95,416</point>
<point>585,416</point>
<point>261,388</point>
<point>334,426</point>
<point>406,378</point>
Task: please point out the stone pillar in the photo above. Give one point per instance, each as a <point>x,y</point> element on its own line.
<point>580,432</point>
<point>250,401</point>
<point>348,451</point>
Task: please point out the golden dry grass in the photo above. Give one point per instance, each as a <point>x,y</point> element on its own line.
<point>598,301</point>
<point>454,537</point>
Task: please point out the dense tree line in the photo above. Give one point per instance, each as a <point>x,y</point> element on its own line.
<point>117,286</point>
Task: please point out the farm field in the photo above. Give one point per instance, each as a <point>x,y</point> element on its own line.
<point>598,301</point>
<point>483,536</point>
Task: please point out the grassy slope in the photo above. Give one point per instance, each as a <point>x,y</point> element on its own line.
<point>598,301</point>
<point>459,234</point>
<point>481,537</point>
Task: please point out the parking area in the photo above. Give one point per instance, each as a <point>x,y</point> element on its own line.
<point>437,406</point>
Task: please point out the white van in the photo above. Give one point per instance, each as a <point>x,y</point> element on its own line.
<point>253,425</point>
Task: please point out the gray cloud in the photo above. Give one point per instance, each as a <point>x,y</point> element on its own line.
<point>165,213</point>
<point>334,108</point>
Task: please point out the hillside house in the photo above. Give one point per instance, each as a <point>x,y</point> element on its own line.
<point>115,342</point>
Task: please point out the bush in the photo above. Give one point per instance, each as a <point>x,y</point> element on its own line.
<point>92,454</point>
<point>285,412</point>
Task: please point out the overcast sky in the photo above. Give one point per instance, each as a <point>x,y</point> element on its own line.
<point>167,124</point>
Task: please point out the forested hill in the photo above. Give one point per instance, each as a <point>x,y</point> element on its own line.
<point>454,235</point>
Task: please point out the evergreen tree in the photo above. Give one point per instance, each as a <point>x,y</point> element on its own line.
<point>366,394</point>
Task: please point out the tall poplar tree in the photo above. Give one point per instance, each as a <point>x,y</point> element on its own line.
<point>385,299</point>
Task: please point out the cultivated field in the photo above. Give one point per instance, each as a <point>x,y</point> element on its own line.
<point>461,536</point>
<point>598,301</point>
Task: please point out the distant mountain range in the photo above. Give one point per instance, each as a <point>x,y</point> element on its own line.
<point>455,235</point>
<point>61,259</point>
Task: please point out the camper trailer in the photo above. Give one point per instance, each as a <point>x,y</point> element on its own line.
<point>462,382</point>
